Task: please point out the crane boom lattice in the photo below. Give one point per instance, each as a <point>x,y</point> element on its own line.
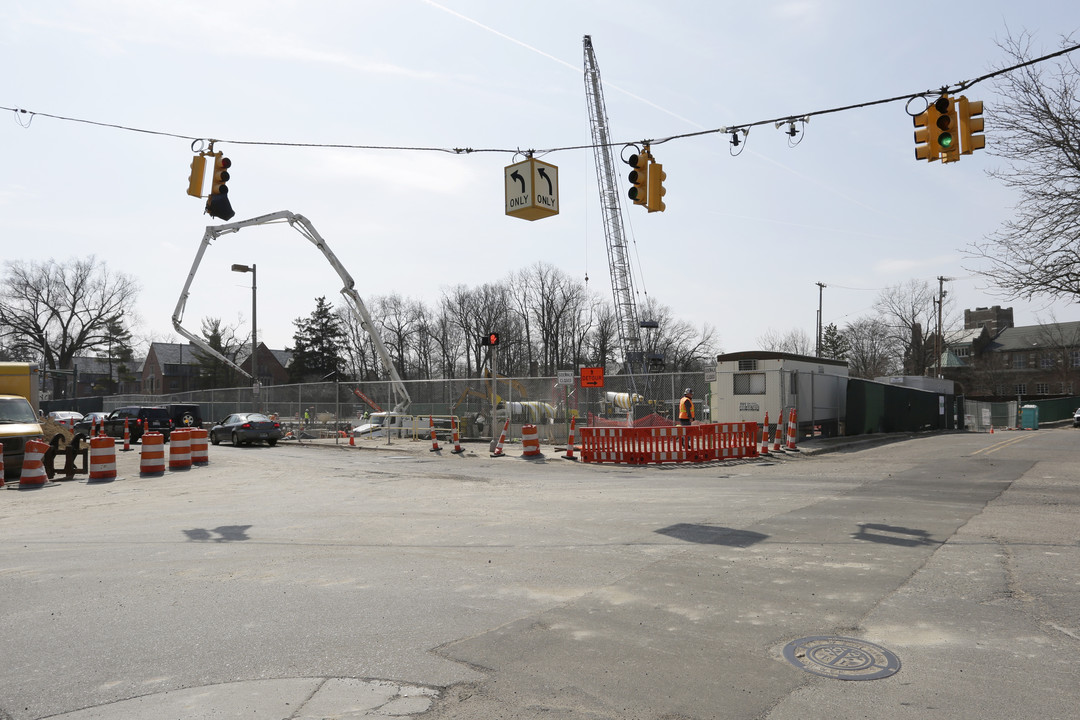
<point>622,285</point>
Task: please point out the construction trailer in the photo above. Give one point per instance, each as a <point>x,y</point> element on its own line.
<point>750,384</point>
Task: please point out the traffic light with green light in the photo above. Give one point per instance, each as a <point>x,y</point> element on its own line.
<point>948,139</point>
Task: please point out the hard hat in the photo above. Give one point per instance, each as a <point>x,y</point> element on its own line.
<point>688,391</point>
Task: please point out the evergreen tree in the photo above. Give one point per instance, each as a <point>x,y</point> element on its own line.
<point>117,351</point>
<point>833,343</point>
<point>318,345</point>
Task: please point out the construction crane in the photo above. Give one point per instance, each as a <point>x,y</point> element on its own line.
<point>622,285</point>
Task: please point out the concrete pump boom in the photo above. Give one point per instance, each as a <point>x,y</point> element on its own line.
<point>302,225</point>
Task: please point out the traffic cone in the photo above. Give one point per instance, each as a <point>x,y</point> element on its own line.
<point>765,435</point>
<point>991,429</point>
<point>778,434</point>
<point>457,440</point>
<point>434,440</point>
<point>791,431</point>
<point>502,438</point>
<point>127,437</point>
<point>570,441</point>
<point>352,440</point>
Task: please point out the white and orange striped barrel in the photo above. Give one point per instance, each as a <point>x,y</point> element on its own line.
<point>102,458</point>
<point>199,451</point>
<point>180,449</point>
<point>33,468</point>
<point>152,460</point>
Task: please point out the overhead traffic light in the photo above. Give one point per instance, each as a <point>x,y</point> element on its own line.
<point>639,176</point>
<point>947,137</point>
<point>490,339</point>
<point>971,125</point>
<point>198,174</point>
<point>657,190</point>
<point>926,147</point>
<point>936,136</point>
<point>218,205</point>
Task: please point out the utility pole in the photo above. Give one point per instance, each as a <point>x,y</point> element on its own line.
<point>821,287</point>
<point>939,340</point>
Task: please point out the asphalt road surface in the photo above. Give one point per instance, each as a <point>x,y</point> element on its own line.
<point>931,578</point>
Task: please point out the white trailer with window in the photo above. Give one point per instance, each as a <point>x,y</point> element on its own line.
<point>749,384</point>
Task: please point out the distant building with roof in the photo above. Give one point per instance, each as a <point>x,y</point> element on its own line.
<point>1026,362</point>
<point>178,367</point>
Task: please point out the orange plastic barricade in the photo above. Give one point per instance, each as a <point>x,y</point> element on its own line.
<point>102,458</point>
<point>200,453</point>
<point>152,459</point>
<point>695,443</point>
<point>33,468</point>
<point>530,441</point>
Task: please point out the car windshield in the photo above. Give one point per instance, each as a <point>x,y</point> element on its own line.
<point>16,410</point>
<point>256,417</point>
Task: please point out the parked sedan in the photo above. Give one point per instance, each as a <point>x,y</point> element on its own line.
<point>246,428</point>
<point>67,418</point>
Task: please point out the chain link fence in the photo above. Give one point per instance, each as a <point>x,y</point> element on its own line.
<point>333,407</point>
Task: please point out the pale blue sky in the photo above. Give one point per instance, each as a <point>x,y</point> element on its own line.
<point>740,247</point>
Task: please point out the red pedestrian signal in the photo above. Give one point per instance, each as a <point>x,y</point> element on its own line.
<point>490,339</point>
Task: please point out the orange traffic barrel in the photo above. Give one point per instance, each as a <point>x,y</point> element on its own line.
<point>102,458</point>
<point>180,449</point>
<point>33,468</point>
<point>530,441</point>
<point>152,460</point>
<point>199,451</point>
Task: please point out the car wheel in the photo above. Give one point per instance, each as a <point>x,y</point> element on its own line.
<point>214,439</point>
<point>235,440</point>
<point>271,443</point>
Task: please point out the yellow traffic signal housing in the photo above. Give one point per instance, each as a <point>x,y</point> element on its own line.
<point>656,188</point>
<point>926,146</point>
<point>218,205</point>
<point>639,177</point>
<point>971,125</point>
<point>948,139</point>
<point>221,174</point>
<point>198,174</point>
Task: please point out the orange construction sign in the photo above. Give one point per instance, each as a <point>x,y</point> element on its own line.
<point>592,377</point>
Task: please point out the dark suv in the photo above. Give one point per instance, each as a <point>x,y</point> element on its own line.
<point>155,419</point>
<point>185,415</point>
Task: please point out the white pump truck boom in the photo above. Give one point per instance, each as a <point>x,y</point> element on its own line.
<point>396,418</point>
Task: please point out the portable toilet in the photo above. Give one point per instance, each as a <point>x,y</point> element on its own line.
<point>1029,417</point>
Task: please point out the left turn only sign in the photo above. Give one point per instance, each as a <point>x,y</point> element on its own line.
<point>532,189</point>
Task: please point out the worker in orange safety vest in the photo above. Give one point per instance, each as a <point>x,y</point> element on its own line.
<point>686,413</point>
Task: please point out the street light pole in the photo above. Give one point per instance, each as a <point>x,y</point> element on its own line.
<point>254,328</point>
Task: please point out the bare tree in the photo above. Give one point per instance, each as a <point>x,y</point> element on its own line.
<point>909,311</point>
<point>794,341</point>
<point>1036,131</point>
<point>57,310</point>
<point>872,350</point>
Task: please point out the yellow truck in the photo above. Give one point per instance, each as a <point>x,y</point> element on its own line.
<point>18,412</point>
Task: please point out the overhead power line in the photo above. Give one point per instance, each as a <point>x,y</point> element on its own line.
<point>25,117</point>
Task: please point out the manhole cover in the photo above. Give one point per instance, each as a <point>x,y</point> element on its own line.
<point>841,658</point>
